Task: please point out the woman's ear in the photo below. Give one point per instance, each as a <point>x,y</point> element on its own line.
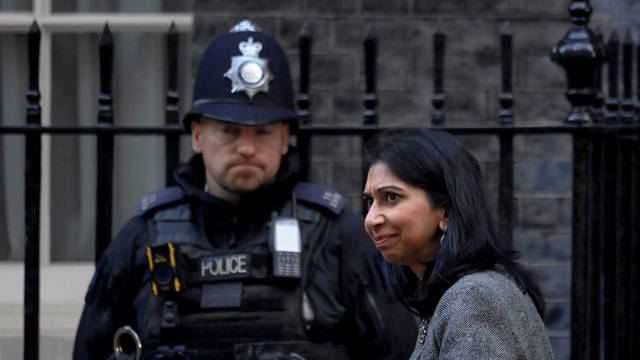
<point>443,223</point>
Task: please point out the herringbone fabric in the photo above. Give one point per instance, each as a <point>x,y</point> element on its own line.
<point>484,315</point>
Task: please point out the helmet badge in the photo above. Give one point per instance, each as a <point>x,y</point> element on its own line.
<point>244,25</point>
<point>249,72</point>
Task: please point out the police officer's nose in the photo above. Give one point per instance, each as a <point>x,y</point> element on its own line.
<point>246,144</point>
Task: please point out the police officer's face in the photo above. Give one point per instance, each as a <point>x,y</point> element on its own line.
<point>401,220</point>
<point>239,158</point>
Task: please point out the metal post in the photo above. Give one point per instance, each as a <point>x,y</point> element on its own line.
<point>304,140</point>
<point>597,235</point>
<point>609,332</point>
<point>370,65</point>
<point>32,203</point>
<point>172,141</point>
<point>613,54</point>
<point>634,240</point>
<point>597,106</point>
<point>580,312</point>
<point>622,342</point>
<point>506,59</point>
<point>505,115</point>
<point>104,191</point>
<point>637,109</point>
<point>370,99</point>
<point>627,104</point>
<point>437,113</point>
<point>304,45</point>
<point>505,195</point>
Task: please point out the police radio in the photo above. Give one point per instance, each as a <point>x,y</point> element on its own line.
<point>286,247</point>
<point>165,268</point>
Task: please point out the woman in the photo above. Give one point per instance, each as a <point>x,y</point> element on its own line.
<point>428,217</point>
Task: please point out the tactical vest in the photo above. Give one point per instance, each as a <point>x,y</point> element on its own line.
<point>231,306</point>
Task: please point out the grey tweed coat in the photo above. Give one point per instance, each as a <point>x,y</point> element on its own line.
<point>483,316</point>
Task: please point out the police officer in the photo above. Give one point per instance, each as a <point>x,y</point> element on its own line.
<point>241,260</point>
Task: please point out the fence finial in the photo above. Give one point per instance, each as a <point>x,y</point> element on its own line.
<point>581,55</point>
<point>106,73</point>
<point>370,64</point>
<point>304,45</point>
<point>627,104</point>
<point>505,112</point>
<point>172,141</point>
<point>33,91</point>
<point>437,112</point>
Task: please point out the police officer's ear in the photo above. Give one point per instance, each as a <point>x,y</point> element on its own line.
<point>285,138</point>
<point>196,132</point>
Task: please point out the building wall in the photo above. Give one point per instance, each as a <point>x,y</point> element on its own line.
<point>543,168</point>
<point>404,28</point>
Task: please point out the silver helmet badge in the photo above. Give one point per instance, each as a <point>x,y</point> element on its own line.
<point>249,72</point>
<point>244,25</point>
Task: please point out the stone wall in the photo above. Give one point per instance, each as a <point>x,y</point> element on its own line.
<point>404,28</point>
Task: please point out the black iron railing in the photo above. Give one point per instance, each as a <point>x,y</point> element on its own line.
<point>606,148</point>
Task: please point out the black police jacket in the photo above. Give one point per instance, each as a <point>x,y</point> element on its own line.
<point>343,276</point>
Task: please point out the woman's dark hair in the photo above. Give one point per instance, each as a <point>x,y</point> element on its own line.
<point>437,163</point>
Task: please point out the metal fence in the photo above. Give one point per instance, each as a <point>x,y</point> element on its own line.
<point>606,150</point>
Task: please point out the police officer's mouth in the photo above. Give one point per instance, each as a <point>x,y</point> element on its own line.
<point>245,165</point>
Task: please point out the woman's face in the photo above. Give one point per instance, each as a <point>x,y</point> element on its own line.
<point>401,220</point>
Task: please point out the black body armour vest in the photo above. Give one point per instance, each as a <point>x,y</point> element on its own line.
<point>231,306</point>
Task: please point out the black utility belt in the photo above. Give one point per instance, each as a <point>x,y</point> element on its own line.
<point>287,350</point>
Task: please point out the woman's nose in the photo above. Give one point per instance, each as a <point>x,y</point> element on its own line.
<point>374,218</point>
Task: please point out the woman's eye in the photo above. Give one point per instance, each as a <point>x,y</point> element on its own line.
<point>368,201</point>
<point>390,197</point>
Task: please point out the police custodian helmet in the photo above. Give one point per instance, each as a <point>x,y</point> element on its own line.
<point>243,78</point>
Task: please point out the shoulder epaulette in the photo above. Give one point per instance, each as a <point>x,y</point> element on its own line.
<point>160,197</point>
<point>323,196</point>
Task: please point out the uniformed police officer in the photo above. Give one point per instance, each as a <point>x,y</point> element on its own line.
<point>241,260</point>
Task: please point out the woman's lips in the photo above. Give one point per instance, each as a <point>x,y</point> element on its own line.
<point>383,241</point>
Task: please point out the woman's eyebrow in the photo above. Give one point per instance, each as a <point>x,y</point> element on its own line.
<point>388,187</point>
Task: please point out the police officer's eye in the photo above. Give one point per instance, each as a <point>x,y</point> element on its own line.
<point>229,130</point>
<point>264,131</point>
<point>227,134</point>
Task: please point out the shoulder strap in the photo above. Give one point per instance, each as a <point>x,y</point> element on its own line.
<point>159,198</point>
<point>323,196</point>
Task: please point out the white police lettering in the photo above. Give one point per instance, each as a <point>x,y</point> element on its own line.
<point>224,265</point>
<point>148,200</point>
<point>333,198</point>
